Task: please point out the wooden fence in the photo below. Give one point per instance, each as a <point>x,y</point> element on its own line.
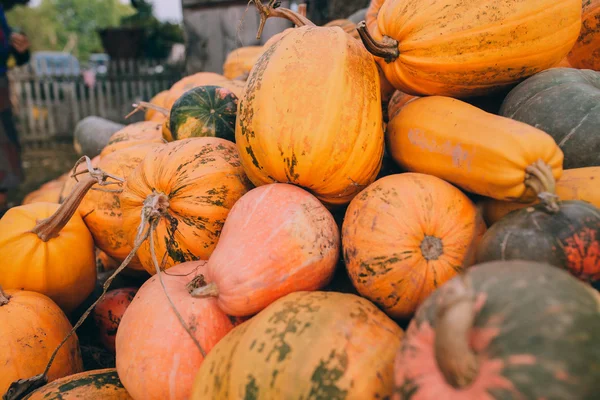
<point>49,103</point>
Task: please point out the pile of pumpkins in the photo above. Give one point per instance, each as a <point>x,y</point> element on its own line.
<point>407,208</point>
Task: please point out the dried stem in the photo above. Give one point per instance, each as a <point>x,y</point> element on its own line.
<point>386,49</point>
<point>273,10</point>
<point>455,317</point>
<point>210,290</point>
<point>143,105</point>
<point>540,180</point>
<point>4,298</point>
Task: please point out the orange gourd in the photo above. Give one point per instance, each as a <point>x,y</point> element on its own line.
<point>156,358</point>
<point>585,54</point>
<point>481,152</point>
<point>574,184</point>
<point>462,49</point>
<point>133,135</point>
<point>404,236</point>
<point>158,99</point>
<point>100,384</point>
<point>240,61</point>
<point>277,239</point>
<point>311,113</point>
<point>183,190</point>
<point>306,345</point>
<point>31,326</point>
<point>108,313</point>
<point>46,248</point>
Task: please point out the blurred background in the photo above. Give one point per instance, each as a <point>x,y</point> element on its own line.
<point>98,57</point>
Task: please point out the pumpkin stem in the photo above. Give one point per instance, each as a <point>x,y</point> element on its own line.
<point>50,227</point>
<point>143,105</point>
<point>273,10</point>
<point>455,317</point>
<point>162,283</point>
<point>4,298</point>
<point>386,49</point>
<point>196,283</point>
<point>540,180</point>
<point>432,248</point>
<point>210,290</point>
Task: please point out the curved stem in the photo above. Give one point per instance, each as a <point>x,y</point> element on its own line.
<point>143,105</point>
<point>386,49</point>
<point>210,290</point>
<point>273,10</point>
<point>540,180</point>
<point>454,320</point>
<point>4,298</point>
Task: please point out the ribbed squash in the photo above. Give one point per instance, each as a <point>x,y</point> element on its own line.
<point>503,330</point>
<point>158,100</point>
<point>585,54</point>
<point>468,48</point>
<point>565,103</point>
<point>311,113</point>
<point>404,236</point>
<point>31,326</point>
<point>132,135</point>
<point>306,345</point>
<point>100,384</point>
<point>156,357</point>
<point>277,239</point>
<point>240,61</point>
<point>480,152</point>
<point>574,184</point>
<point>186,188</point>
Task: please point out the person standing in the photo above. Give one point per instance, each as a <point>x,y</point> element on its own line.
<point>17,45</point>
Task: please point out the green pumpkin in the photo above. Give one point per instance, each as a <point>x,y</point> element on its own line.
<point>204,111</point>
<point>504,330</point>
<point>565,103</point>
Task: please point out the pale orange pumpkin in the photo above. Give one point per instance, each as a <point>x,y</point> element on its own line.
<point>133,135</point>
<point>31,326</point>
<point>156,357</point>
<point>240,61</point>
<point>277,239</point>
<point>347,26</point>
<point>405,235</point>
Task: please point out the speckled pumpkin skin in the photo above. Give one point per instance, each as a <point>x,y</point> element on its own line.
<point>535,332</point>
<point>204,111</point>
<point>108,313</point>
<point>569,239</point>
<point>101,384</point>
<point>306,345</point>
<point>586,51</point>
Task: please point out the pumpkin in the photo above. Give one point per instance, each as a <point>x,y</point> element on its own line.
<point>108,313</point>
<point>585,54</point>
<point>404,236</point>
<point>399,99</point>
<point>102,210</point>
<point>503,330</point>
<point>104,262</point>
<point>46,248</point>
<point>277,239</point>
<point>187,187</point>
<point>132,135</point>
<point>158,99</point>
<point>347,26</point>
<point>575,184</point>
<point>371,14</point>
<point>568,238</point>
<point>204,111</point>
<point>289,132</point>
<point>306,345</point>
<point>443,137</point>
<point>100,384</point>
<point>240,61</point>
<point>31,326</point>
<point>156,358</point>
<point>565,103</point>
<point>48,192</point>
<point>445,48</point>
<point>564,63</point>
<point>200,79</point>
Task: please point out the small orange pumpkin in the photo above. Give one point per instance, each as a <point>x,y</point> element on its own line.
<point>132,135</point>
<point>405,235</point>
<point>31,326</point>
<point>158,100</point>
<point>48,192</point>
<point>108,313</point>
<point>240,61</point>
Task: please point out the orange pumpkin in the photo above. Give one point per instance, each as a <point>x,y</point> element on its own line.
<point>158,100</point>
<point>46,248</point>
<point>585,54</point>
<point>240,61</point>
<point>404,236</point>
<point>574,184</point>
<point>31,326</point>
<point>132,135</point>
<point>277,239</point>
<point>100,384</point>
<point>398,100</point>
<point>48,192</point>
<point>156,357</point>
<point>108,313</point>
<point>291,133</point>
<point>186,188</point>
<point>102,210</point>
<point>441,47</point>
<point>347,26</point>
<point>372,13</point>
